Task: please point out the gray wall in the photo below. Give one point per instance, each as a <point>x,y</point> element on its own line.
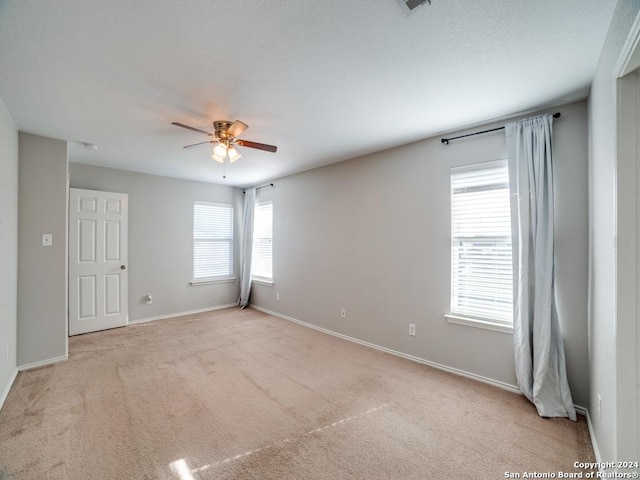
<point>42,279</point>
<point>8,249</point>
<point>602,213</point>
<point>161,239</point>
<point>372,235</point>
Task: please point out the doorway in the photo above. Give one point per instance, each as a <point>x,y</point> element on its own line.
<point>98,276</point>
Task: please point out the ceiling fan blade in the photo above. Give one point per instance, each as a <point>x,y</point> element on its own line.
<point>198,144</point>
<point>236,129</point>
<point>191,128</point>
<point>259,146</point>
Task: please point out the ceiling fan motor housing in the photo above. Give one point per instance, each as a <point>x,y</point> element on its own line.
<point>221,127</point>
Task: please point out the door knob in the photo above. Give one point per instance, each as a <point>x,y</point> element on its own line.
<point>122,267</point>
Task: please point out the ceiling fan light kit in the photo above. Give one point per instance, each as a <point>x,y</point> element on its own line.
<point>219,153</point>
<point>225,140</point>
<point>234,154</point>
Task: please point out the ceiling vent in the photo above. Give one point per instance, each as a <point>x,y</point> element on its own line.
<point>411,5</point>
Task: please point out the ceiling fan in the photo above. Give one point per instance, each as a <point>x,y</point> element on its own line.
<point>225,140</point>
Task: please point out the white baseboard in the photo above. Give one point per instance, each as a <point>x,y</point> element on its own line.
<point>455,371</point>
<point>594,443</point>
<point>42,363</point>
<point>181,314</point>
<point>7,388</point>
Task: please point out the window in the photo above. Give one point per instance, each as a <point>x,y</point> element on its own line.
<point>261,260</point>
<point>481,265</point>
<point>212,241</point>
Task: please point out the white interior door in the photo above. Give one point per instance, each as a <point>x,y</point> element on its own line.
<point>97,260</point>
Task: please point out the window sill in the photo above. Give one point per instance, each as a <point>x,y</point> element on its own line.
<point>478,323</point>
<point>262,281</point>
<point>207,281</point>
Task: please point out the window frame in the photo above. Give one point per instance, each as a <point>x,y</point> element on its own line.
<point>268,280</point>
<point>226,239</point>
<point>483,319</point>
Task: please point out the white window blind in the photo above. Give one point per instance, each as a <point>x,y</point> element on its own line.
<point>212,240</point>
<point>481,263</point>
<point>261,260</point>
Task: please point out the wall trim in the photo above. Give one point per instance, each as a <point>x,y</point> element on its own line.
<point>181,314</point>
<point>7,388</point>
<point>626,62</point>
<point>584,412</point>
<point>438,366</point>
<point>42,363</point>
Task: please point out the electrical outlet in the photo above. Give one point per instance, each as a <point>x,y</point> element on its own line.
<point>343,313</point>
<point>599,408</point>
<point>149,299</point>
<point>412,329</point>
<point>278,297</point>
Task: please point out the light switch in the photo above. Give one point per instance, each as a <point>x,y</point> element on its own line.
<point>47,239</point>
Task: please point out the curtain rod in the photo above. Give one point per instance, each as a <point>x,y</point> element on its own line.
<point>263,186</point>
<point>446,140</point>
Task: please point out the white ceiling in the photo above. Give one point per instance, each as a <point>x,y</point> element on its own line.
<point>323,80</point>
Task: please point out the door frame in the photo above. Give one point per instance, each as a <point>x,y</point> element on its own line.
<point>627,221</point>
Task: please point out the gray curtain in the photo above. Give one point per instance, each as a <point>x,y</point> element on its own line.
<point>539,350</point>
<point>247,246</point>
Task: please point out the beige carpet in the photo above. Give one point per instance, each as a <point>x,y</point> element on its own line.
<point>238,394</point>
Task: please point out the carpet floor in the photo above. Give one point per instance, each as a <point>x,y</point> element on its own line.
<point>238,394</point>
